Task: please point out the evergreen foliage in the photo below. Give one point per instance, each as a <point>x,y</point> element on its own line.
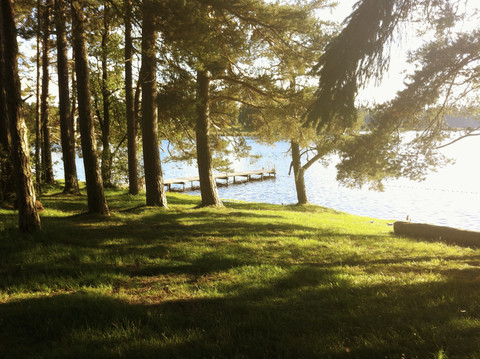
<point>360,53</point>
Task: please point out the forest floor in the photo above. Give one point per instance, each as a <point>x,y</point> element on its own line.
<point>247,281</point>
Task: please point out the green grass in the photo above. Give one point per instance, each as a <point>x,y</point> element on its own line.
<point>248,281</point>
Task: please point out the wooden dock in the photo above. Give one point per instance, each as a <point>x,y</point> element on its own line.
<point>227,177</point>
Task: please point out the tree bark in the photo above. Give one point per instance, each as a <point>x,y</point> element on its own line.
<point>6,179</point>
<point>73,100</point>
<point>95,193</point>
<point>28,219</point>
<point>47,150</point>
<point>38,136</point>
<point>106,151</point>
<point>208,186</point>
<point>66,124</point>
<point>131,118</point>
<point>155,190</point>
<point>299,174</point>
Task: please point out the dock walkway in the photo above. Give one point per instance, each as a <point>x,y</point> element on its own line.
<point>249,175</point>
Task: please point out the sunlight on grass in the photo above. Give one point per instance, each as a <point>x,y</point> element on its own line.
<point>249,280</point>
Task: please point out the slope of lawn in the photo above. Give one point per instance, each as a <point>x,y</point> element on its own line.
<point>248,281</point>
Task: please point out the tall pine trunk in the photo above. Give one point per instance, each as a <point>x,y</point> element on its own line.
<point>155,190</point>
<point>106,151</point>
<point>6,171</point>
<point>46,150</point>
<point>299,174</point>
<point>67,132</point>
<point>131,118</point>
<point>95,193</point>
<point>208,186</point>
<point>28,219</point>
<point>73,100</point>
<point>38,136</point>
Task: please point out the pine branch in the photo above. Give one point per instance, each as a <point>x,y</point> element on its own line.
<point>312,161</point>
<point>468,134</point>
<point>244,84</point>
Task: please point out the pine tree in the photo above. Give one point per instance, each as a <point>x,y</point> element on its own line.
<point>28,219</point>
<point>229,37</point>
<point>95,193</point>
<point>106,166</point>
<point>6,170</point>
<point>133,184</point>
<point>208,186</point>
<point>66,123</point>
<point>155,190</point>
<point>38,136</point>
<point>47,164</point>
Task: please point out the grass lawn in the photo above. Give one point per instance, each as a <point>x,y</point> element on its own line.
<point>248,281</point>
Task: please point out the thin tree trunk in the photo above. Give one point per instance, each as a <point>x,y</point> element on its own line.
<point>208,186</point>
<point>106,151</point>
<point>299,174</point>
<point>73,100</point>
<point>38,136</point>
<point>6,171</point>
<point>47,150</point>
<point>131,118</point>
<point>155,190</point>
<point>66,124</point>
<point>28,219</point>
<point>95,193</point>
<point>136,102</point>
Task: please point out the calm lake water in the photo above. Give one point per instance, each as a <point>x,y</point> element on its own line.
<point>449,197</point>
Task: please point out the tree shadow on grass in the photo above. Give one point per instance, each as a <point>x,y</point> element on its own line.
<point>8,220</point>
<point>65,203</point>
<point>312,309</point>
<point>88,250</point>
<point>159,224</point>
<point>311,313</point>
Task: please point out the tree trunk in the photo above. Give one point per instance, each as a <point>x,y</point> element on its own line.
<point>66,124</point>
<point>131,119</point>
<point>155,190</point>
<point>299,174</point>
<point>106,151</point>
<point>38,136</point>
<point>96,196</point>
<point>6,171</point>
<point>136,101</point>
<point>208,186</point>
<point>47,150</point>
<point>73,100</point>
<point>28,219</point>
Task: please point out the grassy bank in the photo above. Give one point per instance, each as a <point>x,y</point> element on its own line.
<point>247,281</point>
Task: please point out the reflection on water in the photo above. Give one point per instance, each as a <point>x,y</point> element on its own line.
<point>449,197</point>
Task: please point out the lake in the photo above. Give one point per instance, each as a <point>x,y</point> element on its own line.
<point>448,197</point>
